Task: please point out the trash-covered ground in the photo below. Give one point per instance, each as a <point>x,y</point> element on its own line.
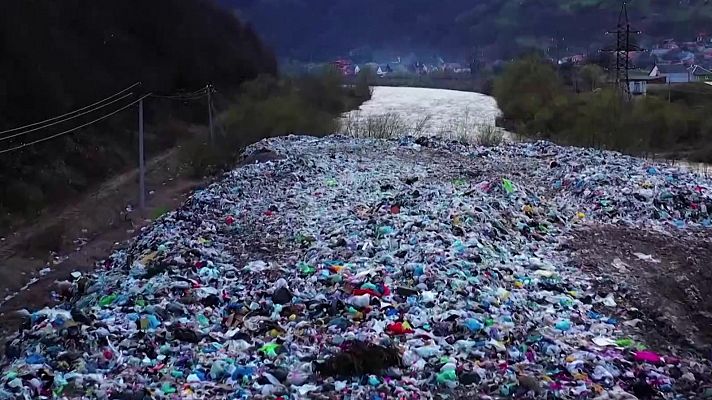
<point>348,268</point>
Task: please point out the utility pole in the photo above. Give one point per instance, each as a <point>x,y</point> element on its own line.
<point>210,114</point>
<point>141,165</point>
<point>623,47</point>
<point>669,91</point>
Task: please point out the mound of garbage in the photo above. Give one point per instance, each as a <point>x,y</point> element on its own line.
<point>366,269</point>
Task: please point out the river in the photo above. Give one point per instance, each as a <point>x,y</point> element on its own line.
<point>438,111</point>
<point>447,112</point>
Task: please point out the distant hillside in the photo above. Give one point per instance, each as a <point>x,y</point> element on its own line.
<point>317,29</point>
<point>57,56</point>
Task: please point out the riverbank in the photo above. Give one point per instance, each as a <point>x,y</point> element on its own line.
<point>459,82</point>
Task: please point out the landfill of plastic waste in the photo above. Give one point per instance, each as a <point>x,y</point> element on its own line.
<point>366,269</point>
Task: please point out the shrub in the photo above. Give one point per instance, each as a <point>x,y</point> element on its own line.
<point>384,126</point>
<point>362,88</point>
<point>526,87</point>
<point>421,125</point>
<point>489,136</point>
<point>325,91</point>
<point>535,104</point>
<point>202,158</point>
<point>266,108</point>
<point>592,76</point>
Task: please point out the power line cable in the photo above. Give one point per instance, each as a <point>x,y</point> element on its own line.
<point>180,98</point>
<point>66,119</point>
<point>73,129</point>
<point>69,113</point>
<point>200,92</point>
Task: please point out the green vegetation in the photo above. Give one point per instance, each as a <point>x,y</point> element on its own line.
<point>58,56</point>
<point>391,125</point>
<point>384,126</point>
<point>592,76</point>
<point>536,104</point>
<point>362,84</point>
<point>159,212</point>
<point>489,136</point>
<point>267,107</point>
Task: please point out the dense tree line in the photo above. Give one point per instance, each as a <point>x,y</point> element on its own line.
<point>56,56</point>
<point>537,103</point>
<point>320,29</point>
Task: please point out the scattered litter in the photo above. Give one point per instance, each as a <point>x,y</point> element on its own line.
<point>353,268</point>
<point>620,265</point>
<point>646,257</point>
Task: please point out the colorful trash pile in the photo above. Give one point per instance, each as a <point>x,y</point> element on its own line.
<point>370,270</point>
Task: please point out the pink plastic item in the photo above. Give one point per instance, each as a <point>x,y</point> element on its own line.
<point>648,356</point>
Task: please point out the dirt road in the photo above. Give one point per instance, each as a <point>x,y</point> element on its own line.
<point>75,238</point>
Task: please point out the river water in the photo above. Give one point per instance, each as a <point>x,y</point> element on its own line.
<point>447,112</point>
<point>443,110</point>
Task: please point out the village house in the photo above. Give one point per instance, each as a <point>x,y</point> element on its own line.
<point>678,56</point>
<point>673,73</point>
<point>679,73</point>
<point>670,44</point>
<point>700,74</point>
<point>576,59</point>
<point>344,66</point>
<point>639,80</point>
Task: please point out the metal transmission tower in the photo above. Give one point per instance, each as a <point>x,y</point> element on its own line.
<point>624,45</point>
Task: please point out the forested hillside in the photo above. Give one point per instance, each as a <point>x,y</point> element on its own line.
<point>57,56</point>
<point>318,29</point>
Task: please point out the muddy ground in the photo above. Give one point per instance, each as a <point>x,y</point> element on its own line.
<point>663,279</point>
<point>79,236</point>
<point>76,237</point>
